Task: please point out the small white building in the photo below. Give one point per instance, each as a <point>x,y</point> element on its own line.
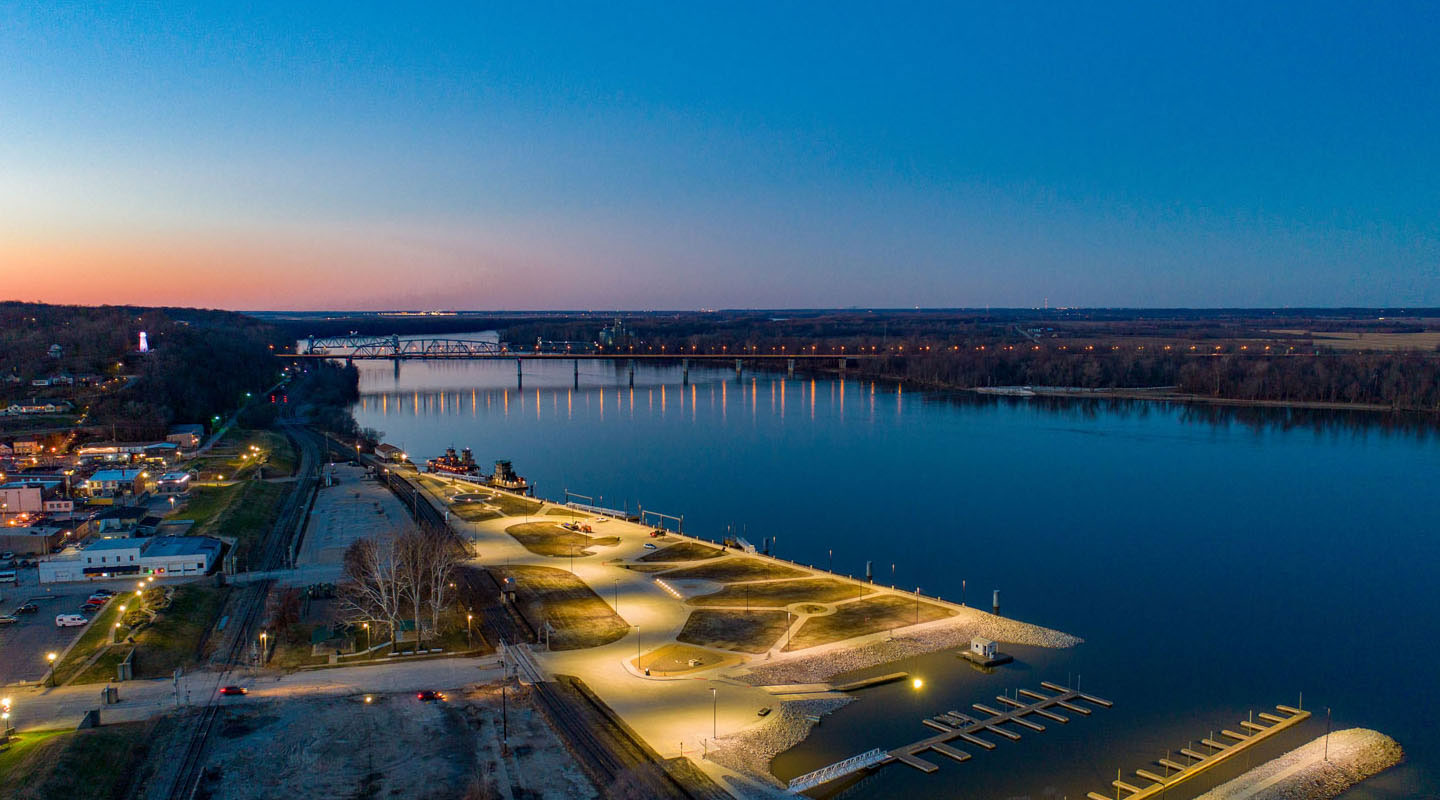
<point>984,648</point>
<point>173,483</point>
<point>117,558</point>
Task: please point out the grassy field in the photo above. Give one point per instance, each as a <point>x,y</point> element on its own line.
<point>549,539</point>
<point>871,615</point>
<point>249,516</point>
<point>782,593</point>
<point>562,511</point>
<point>94,764</point>
<point>475,512</point>
<point>580,618</point>
<point>170,641</point>
<point>731,570</point>
<point>741,631</point>
<point>1428,341</point>
<point>95,637</point>
<point>674,659</point>
<point>684,551</point>
<point>206,503</point>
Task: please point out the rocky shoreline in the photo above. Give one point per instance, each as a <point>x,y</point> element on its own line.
<point>817,665</point>
<point>1304,773</point>
<point>751,751</point>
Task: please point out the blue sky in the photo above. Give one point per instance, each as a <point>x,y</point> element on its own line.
<point>767,155</point>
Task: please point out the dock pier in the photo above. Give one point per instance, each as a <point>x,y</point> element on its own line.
<point>1200,762</point>
<point>954,725</point>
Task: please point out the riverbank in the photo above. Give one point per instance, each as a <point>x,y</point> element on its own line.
<point>1315,771</point>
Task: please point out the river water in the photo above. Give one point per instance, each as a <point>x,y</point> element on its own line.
<point>1214,562</point>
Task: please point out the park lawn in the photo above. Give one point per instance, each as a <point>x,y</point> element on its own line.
<point>95,636</point>
<point>683,551</point>
<point>741,631</point>
<point>249,517</point>
<point>562,511</point>
<point>779,594</point>
<point>549,539</point>
<point>732,570</point>
<point>93,764</point>
<point>512,506</point>
<point>174,638</point>
<point>578,615</point>
<point>475,512</point>
<point>871,615</point>
<point>205,503</point>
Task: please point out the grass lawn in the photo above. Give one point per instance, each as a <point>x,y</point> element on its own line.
<point>580,618</point>
<point>170,641</point>
<point>249,516</point>
<point>684,551</point>
<point>745,632</point>
<point>674,659</point>
<point>562,511</point>
<point>474,512</point>
<point>205,504</point>
<point>96,636</point>
<point>731,570</point>
<point>782,593</point>
<point>549,539</point>
<point>872,615</point>
<point>94,764</point>
<point>513,506</point>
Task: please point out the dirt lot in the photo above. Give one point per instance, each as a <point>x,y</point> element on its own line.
<point>684,551</point>
<point>778,594</point>
<point>731,570</point>
<point>745,632</point>
<point>872,615</point>
<point>578,615</point>
<point>395,746</point>
<point>549,539</point>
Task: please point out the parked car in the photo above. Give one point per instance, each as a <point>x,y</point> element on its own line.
<point>102,593</point>
<point>650,546</point>
<point>233,690</point>
<point>69,620</point>
<point>99,599</point>
<point>657,532</point>
<point>6,556</point>
<point>8,619</point>
<point>27,608</point>
<point>88,608</point>
<point>27,563</point>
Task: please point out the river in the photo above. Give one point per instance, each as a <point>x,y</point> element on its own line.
<point>1215,561</point>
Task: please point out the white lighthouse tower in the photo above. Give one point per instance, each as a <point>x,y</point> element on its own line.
<point>144,343</point>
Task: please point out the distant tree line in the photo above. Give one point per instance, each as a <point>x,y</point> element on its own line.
<point>201,363</point>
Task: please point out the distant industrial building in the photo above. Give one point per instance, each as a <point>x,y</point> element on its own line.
<point>188,437</point>
<point>111,558</point>
<point>112,482</point>
<point>389,452</point>
<point>33,498</point>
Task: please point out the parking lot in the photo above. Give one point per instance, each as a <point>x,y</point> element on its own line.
<point>24,644</point>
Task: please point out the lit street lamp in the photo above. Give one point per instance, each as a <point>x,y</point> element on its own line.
<point>50,659</point>
<point>714,713</point>
<point>468,618</point>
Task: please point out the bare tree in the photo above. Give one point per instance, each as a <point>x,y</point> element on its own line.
<point>442,555</point>
<point>413,551</point>
<point>371,592</point>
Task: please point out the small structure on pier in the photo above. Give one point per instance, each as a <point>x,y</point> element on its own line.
<point>986,653</point>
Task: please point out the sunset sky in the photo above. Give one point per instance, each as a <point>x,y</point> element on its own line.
<point>310,155</point>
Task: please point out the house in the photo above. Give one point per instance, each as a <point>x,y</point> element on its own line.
<point>27,447</point>
<point>173,483</point>
<point>6,451</point>
<point>110,558</point>
<point>110,482</point>
<point>186,436</point>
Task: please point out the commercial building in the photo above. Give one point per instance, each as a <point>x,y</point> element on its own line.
<point>173,483</point>
<point>187,436</point>
<point>112,558</point>
<point>33,497</point>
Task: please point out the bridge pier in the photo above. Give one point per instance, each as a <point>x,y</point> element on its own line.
<point>519,373</point>
<point>576,362</point>
<point>632,373</point>
<point>842,365</point>
<point>790,368</point>
<point>739,368</point>
<point>685,371</point>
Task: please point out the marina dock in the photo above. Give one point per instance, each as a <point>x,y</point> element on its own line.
<point>972,730</point>
<point>1197,762</point>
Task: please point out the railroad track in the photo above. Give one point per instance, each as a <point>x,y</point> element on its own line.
<point>274,551</point>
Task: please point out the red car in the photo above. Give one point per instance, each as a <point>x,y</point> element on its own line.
<point>428,696</point>
<point>233,690</point>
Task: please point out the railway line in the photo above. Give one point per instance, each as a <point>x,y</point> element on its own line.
<point>276,550</point>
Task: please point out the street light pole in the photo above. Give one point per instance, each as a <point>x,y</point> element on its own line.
<point>714,713</point>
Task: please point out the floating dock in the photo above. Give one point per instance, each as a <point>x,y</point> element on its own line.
<point>954,725</point>
<point>1196,762</point>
